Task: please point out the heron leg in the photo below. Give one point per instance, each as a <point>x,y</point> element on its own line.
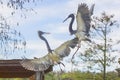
<point>79,45</point>
<point>60,66</point>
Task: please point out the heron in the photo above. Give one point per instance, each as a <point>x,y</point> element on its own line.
<point>40,33</point>
<point>41,64</point>
<point>37,62</point>
<point>52,58</point>
<point>83,19</point>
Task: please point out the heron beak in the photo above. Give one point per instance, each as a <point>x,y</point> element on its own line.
<point>71,15</point>
<point>65,19</point>
<point>46,33</point>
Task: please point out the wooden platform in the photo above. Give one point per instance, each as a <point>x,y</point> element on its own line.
<point>13,69</point>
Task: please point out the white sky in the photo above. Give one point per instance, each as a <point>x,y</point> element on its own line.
<point>48,16</point>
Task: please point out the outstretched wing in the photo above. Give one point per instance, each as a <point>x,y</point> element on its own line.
<point>83,18</point>
<point>39,64</point>
<point>92,9</point>
<point>64,49</point>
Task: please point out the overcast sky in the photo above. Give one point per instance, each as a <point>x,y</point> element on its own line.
<point>48,16</point>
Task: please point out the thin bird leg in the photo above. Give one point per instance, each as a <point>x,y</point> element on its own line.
<point>76,50</point>
<point>60,66</point>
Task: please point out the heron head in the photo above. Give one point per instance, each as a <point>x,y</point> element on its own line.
<point>70,16</point>
<point>41,32</point>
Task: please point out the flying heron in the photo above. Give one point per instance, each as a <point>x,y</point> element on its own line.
<point>52,58</point>
<point>41,64</point>
<point>83,19</point>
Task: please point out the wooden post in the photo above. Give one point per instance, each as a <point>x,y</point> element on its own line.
<point>39,75</point>
<point>32,77</point>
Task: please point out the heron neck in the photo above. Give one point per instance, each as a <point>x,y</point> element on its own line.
<point>70,25</point>
<point>47,44</point>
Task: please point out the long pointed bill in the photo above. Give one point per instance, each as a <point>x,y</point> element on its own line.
<point>65,19</point>
<point>46,33</point>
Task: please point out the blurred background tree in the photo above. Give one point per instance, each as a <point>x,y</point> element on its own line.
<point>78,75</point>
<point>101,52</point>
<point>11,40</point>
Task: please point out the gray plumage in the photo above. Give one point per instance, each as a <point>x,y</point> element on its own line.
<point>64,49</point>
<point>92,9</point>
<point>83,19</point>
<point>39,64</point>
<point>43,63</point>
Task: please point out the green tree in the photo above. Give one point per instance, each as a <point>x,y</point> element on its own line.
<point>17,4</point>
<point>78,75</point>
<point>12,40</point>
<point>99,52</point>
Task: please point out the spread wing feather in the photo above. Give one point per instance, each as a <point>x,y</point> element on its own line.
<point>92,9</point>
<point>64,49</point>
<point>83,18</point>
<point>41,64</point>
